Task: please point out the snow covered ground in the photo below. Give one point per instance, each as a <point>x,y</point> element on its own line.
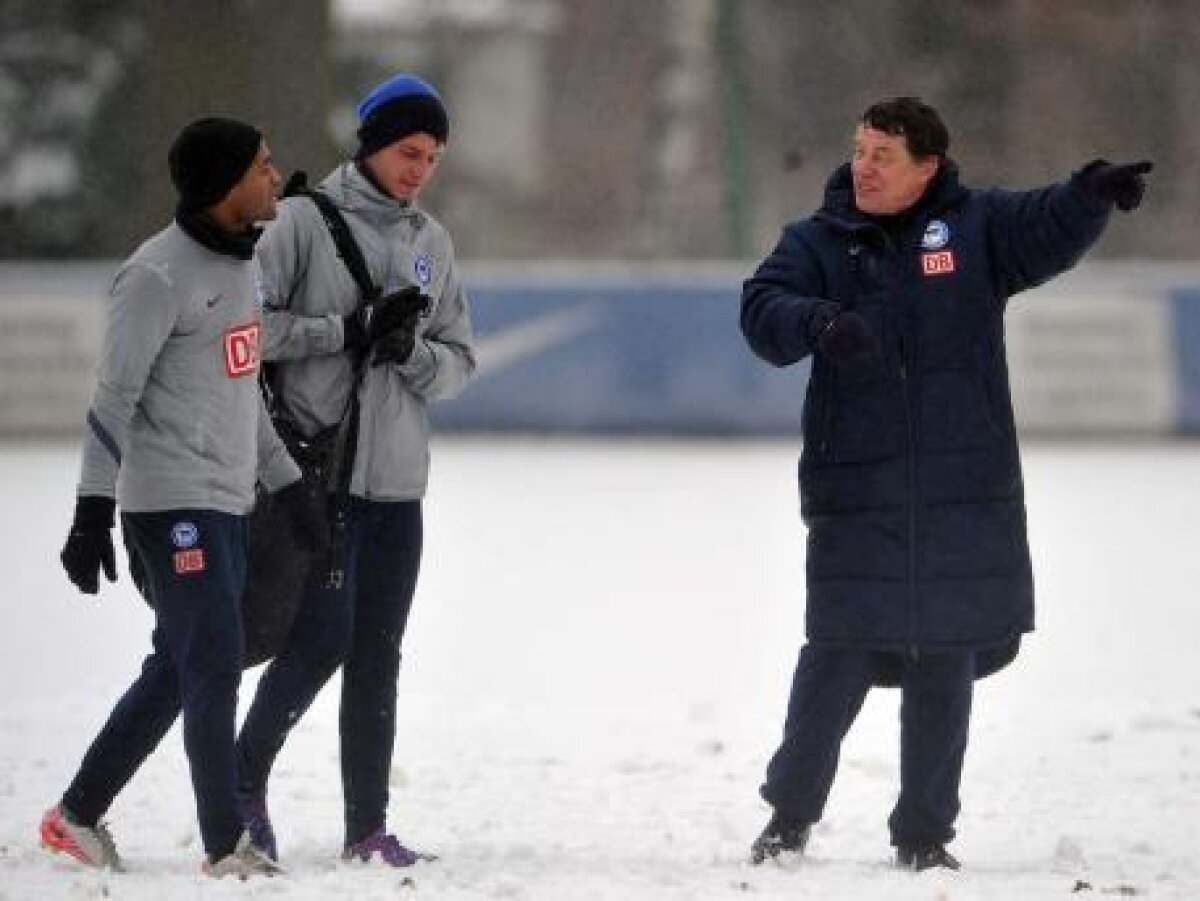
<point>596,673</point>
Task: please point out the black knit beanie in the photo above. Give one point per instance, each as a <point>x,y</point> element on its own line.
<point>401,106</point>
<point>208,158</point>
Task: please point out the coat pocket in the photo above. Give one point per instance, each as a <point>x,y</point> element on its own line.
<point>956,412</point>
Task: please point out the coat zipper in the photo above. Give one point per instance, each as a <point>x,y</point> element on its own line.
<point>911,477</point>
<point>907,352</point>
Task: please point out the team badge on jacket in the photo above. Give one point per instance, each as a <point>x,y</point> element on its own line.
<point>423,269</point>
<point>936,260</point>
<point>188,558</point>
<point>937,235</point>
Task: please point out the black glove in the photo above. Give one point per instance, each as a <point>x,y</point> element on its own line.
<point>369,323</point>
<point>395,325</point>
<point>843,336</point>
<point>395,347</point>
<point>1120,185</point>
<point>399,310</point>
<point>304,505</point>
<point>89,544</point>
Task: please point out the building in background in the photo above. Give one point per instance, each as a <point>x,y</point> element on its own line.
<point>491,62</point>
<point>100,89</point>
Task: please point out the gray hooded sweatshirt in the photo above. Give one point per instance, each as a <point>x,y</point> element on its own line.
<point>177,420</point>
<point>309,290</point>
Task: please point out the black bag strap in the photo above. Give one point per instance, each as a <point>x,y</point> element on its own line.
<point>341,464</point>
<point>343,238</point>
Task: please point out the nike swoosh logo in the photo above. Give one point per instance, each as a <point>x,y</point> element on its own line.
<point>517,343</point>
<point>212,302</point>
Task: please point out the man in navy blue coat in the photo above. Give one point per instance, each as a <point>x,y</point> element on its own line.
<point>918,567</point>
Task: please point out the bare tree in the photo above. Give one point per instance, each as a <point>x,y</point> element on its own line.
<point>92,93</point>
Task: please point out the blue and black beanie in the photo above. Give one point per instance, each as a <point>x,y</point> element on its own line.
<point>401,106</point>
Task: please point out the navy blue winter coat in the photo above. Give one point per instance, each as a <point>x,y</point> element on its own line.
<point>910,478</point>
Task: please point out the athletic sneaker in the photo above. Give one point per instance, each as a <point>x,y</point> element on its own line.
<point>782,835</point>
<point>253,812</point>
<point>92,846</point>
<point>926,857</point>
<point>386,846</point>
<point>244,861</point>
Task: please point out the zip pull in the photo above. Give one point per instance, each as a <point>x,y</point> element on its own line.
<point>855,262</point>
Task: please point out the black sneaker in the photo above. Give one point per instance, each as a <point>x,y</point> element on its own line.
<point>782,834</point>
<point>926,857</point>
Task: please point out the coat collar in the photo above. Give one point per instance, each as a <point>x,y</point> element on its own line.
<point>356,193</point>
<point>839,210</point>
<point>205,232</point>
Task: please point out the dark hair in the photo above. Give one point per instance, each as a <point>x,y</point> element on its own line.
<point>917,122</point>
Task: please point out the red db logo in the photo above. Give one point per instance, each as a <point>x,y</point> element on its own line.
<point>189,561</point>
<point>939,263</point>
<point>241,351</point>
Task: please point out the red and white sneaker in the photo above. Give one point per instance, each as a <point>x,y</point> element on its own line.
<point>92,846</point>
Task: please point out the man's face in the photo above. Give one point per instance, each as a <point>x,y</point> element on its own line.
<point>887,180</point>
<point>253,197</point>
<point>403,167</point>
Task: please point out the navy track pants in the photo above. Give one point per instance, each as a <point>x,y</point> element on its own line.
<point>359,626</point>
<point>828,690</point>
<point>195,564</point>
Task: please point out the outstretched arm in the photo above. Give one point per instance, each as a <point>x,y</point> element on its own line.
<point>1035,235</point>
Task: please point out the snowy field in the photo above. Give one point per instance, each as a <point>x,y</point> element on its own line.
<point>596,672</point>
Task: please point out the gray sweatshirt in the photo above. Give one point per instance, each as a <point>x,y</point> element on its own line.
<point>177,420</point>
<point>309,290</point>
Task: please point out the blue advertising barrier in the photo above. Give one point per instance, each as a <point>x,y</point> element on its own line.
<point>620,358</point>
<point>642,348</point>
<point>641,353</point>
<point>1185,304</point>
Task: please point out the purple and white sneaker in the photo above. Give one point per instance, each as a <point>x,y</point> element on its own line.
<point>386,847</point>
<point>252,809</point>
